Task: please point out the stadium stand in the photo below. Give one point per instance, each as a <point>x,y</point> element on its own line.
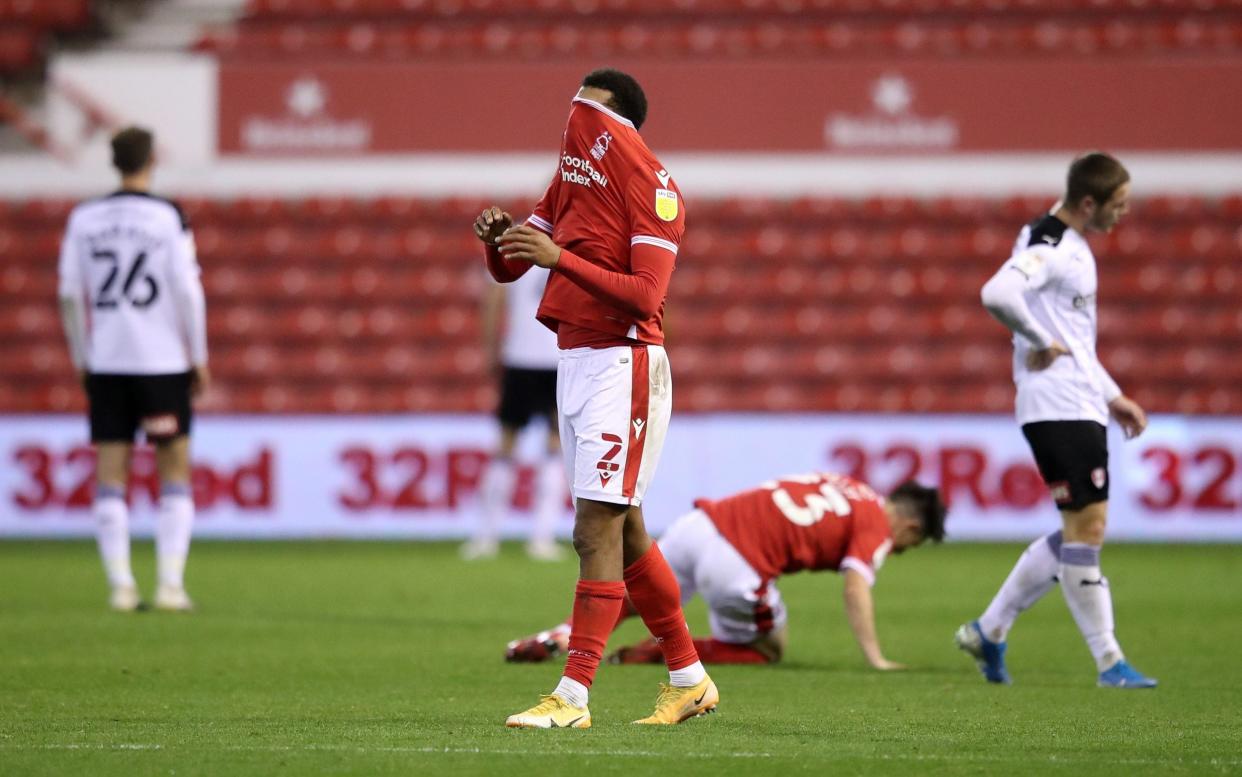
<point>330,304</point>
<point>737,28</point>
<point>354,305</point>
<point>27,27</point>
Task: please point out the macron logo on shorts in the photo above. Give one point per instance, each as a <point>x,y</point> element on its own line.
<point>638,428</point>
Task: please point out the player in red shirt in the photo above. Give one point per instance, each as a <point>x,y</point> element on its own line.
<point>608,228</point>
<point>732,551</point>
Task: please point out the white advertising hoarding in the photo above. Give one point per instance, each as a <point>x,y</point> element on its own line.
<point>418,476</point>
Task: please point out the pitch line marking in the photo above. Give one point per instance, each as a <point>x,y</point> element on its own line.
<point>378,749</point>
<point>1052,759</point>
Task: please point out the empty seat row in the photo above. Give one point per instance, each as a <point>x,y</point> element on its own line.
<point>679,39</point>
<point>27,27</point>
<point>45,14</point>
<point>1128,331</point>
<point>791,288</point>
<point>983,357</point>
<point>734,251</point>
<point>20,48</point>
<point>354,9</point>
<point>698,395</point>
<point>398,212</point>
<point>873,307</point>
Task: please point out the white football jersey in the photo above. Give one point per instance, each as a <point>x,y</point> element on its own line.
<point>129,259</point>
<point>527,343</point>
<point>1060,289</point>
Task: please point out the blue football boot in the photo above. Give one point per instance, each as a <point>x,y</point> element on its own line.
<point>1122,675</point>
<point>989,655</point>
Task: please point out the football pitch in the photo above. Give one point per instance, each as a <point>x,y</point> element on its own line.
<point>386,658</point>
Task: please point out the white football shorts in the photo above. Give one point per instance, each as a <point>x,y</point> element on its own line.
<point>741,606</point>
<point>614,406</point>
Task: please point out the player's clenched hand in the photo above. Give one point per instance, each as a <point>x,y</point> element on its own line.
<point>1043,359</point>
<point>200,379</point>
<point>491,224</point>
<point>1132,418</point>
<point>530,245</point>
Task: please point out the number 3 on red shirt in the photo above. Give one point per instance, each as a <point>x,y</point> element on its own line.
<point>816,503</point>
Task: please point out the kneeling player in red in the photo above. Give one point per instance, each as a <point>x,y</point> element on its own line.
<point>608,228</point>
<point>732,551</point>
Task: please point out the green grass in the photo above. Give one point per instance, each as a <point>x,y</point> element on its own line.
<point>342,658</point>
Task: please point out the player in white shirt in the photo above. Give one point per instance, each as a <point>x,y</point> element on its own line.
<point>525,354</point>
<point>1046,295</point>
<point>133,310</point>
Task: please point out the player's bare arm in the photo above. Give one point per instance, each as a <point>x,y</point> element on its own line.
<point>860,610</point>
<point>1128,413</point>
<point>493,309</point>
<point>491,224</point>
<point>528,244</point>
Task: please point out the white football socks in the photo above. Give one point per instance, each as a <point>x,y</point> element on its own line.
<point>1033,576</point>
<point>1090,601</point>
<point>549,501</point>
<point>572,691</point>
<point>687,676</point>
<point>496,493</point>
<point>173,527</point>
<point>112,534</point>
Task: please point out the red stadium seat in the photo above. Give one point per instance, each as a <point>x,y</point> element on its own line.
<point>737,29</point>
<point>361,305</point>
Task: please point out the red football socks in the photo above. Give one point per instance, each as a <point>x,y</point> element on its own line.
<point>713,651</point>
<point>596,606</point>
<point>627,612</point>
<point>656,596</point>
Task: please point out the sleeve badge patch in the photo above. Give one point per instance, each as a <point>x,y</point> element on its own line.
<point>1028,263</point>
<point>666,204</point>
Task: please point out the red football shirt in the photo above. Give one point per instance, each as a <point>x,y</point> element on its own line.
<point>816,521</point>
<point>609,198</point>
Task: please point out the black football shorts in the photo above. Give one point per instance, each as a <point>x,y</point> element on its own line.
<point>1072,457</point>
<point>123,405</point>
<point>525,394</point>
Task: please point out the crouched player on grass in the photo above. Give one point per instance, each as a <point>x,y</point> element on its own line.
<point>1046,295</point>
<point>732,550</point>
<point>133,311</point>
<point>608,228</point>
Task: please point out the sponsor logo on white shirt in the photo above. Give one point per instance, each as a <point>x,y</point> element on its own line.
<point>1081,301</point>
